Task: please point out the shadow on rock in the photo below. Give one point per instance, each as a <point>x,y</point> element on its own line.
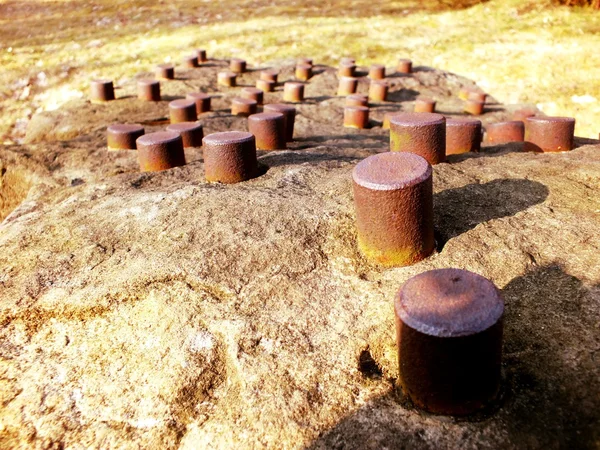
<point>462,209</point>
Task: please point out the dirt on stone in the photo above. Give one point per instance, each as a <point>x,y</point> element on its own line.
<point>156,310</point>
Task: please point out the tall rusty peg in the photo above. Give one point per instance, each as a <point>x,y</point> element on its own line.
<point>378,91</point>
<point>165,72</point>
<point>347,86</point>
<point>449,334</point>
<point>123,136</point>
<point>253,94</point>
<point>226,79</point>
<point>357,100</point>
<point>190,61</point>
<point>201,54</point>
<point>421,133</point>
<point>268,129</point>
<point>377,72</point>
<point>478,96</point>
<point>191,133</point>
<point>202,101</point>
<point>549,134</point>
<point>404,66</point>
<point>160,151</point>
<point>148,90</point>
<point>101,91</point>
<point>504,132</point>
<point>303,72</point>
<point>425,105</point>
<point>463,136</point>
<point>393,198</point>
<point>293,92</point>
<point>289,117</point>
<point>230,157</point>
<point>265,85</point>
<point>347,69</point>
<point>237,65</point>
<point>356,117</point>
<point>182,110</point>
<point>243,106</point>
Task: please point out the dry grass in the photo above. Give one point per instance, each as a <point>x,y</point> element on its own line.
<point>520,51</point>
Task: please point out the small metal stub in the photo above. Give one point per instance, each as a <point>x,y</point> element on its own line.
<point>347,86</point>
<point>202,101</point>
<point>190,61</point>
<point>123,136</point>
<point>182,110</point>
<point>191,133</point>
<point>101,91</point>
<point>201,54</point>
<point>421,133</point>
<point>269,75</point>
<point>268,129</point>
<point>289,116</point>
<point>165,72</point>
<point>549,134</point>
<point>404,66</point>
<point>478,96</point>
<point>504,132</point>
<point>148,90</point>
<point>160,151</point>
<point>347,69</point>
<point>356,117</point>
<point>243,106</point>
<point>357,100</point>
<point>378,91</point>
<point>424,105</point>
<point>265,85</point>
<point>226,79</point>
<point>229,157</point>
<point>377,72</point>
<point>237,65</point>
<point>293,92</point>
<point>463,136</point>
<point>307,61</point>
<point>303,72</point>
<point>253,94</point>
<point>474,107</point>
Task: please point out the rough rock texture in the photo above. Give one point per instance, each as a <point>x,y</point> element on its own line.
<point>160,311</point>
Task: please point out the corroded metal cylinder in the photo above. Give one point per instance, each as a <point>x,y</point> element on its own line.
<point>101,91</point>
<point>289,117</point>
<point>356,117</point>
<point>265,85</point>
<point>377,72</point>
<point>404,66</point>
<point>421,133</point>
<point>378,90</point>
<point>268,129</point>
<point>190,61</point>
<point>201,54</point>
<point>462,136</point>
<point>243,106</point>
<point>357,100</point>
<point>191,133</point>
<point>474,107</point>
<point>503,132</point>
<point>424,105</point>
<point>478,96</point>
<point>123,136</point>
<point>165,72</point>
<point>347,69</point>
<point>182,110</point>
<point>393,197</point>
<point>347,86</point>
<point>202,101</point>
<point>148,90</point>
<point>226,79</point>
<point>253,94</point>
<point>449,325</point>
<point>230,157</point>
<point>160,151</point>
<point>303,72</point>
<point>269,75</point>
<point>237,65</point>
<point>293,92</point>
<point>549,134</point>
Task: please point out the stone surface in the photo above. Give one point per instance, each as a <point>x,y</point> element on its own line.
<point>157,310</point>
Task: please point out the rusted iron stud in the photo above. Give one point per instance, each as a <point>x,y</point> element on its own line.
<point>421,133</point>
<point>356,117</point>
<point>269,75</point>
<point>268,129</point>
<point>289,117</point>
<point>404,66</point>
<point>463,136</point>
<point>449,325</point>
<point>347,69</point>
<point>303,72</point>
<point>503,132</point>
<point>190,61</point>
<point>378,91</point>
<point>182,110</point>
<point>393,198</point>
<point>243,106</point>
<point>202,101</point>
<point>377,72</point>
<point>237,65</point>
<point>191,133</point>
<point>549,134</point>
<point>123,136</point>
<point>165,72</point>
<point>160,151</point>
<point>308,61</point>
<point>524,113</point>
<point>148,90</point>
<point>474,107</point>
<point>253,94</point>
<point>101,91</point>
<point>424,105</point>
<point>265,85</point>
<point>478,96</point>
<point>226,79</point>
<point>347,86</point>
<point>293,92</point>
<point>229,157</point>
<point>201,53</point>
<point>357,100</point>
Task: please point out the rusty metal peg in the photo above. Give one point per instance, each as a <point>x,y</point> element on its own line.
<point>253,94</point>
<point>474,107</point>
<point>201,54</point>
<point>269,75</point>
<point>549,134</point>
<point>269,130</point>
<point>243,106</point>
<point>149,90</point>
<point>303,72</point>
<point>404,66</point>
<point>289,116</point>
<point>393,198</point>
<point>463,136</point>
<point>307,61</point>
<point>101,91</point>
<point>421,133</point>
<point>165,72</point>
<point>347,69</point>
<point>357,100</point>
<point>293,92</point>
<point>424,105</point>
<point>229,157</point>
<point>226,79</point>
<point>378,91</point>
<point>190,61</point>
<point>123,136</point>
<point>237,65</point>
<point>377,72</point>
<point>265,85</point>
<point>356,117</point>
<point>160,151</point>
<point>347,86</point>
<point>504,132</point>
<point>478,96</point>
<point>182,110</point>
<point>191,133</point>
<point>449,325</point>
<point>202,101</point>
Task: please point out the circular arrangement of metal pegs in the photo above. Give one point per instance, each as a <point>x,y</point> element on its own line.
<point>165,72</point>
<point>191,133</point>
<point>243,106</point>
<point>229,157</point>
<point>123,136</point>
<point>101,91</point>
<point>293,92</point>
<point>253,94</point>
<point>182,110</point>
<point>424,105</point>
<point>202,101</point>
<point>347,85</point>
<point>463,136</point>
<point>449,325</point>
<point>378,91</point>
<point>393,198</point>
<point>226,79</point>
<point>269,130</point>
<point>356,117</point>
<point>421,133</point>
<point>160,151</point>
<point>289,117</point>
<point>504,132</point>
<point>148,90</point>
<point>549,134</point>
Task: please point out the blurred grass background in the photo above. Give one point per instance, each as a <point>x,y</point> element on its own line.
<point>534,51</point>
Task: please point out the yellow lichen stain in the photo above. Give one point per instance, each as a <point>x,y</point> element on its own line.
<point>391,257</point>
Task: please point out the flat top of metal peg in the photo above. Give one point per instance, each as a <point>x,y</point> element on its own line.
<point>197,95</point>
<point>449,303</point>
<point>182,103</point>
<point>391,170</point>
<point>549,119</point>
<point>252,90</point>
<point>266,116</point>
<point>124,128</point>
<point>416,119</point>
<point>147,82</point>
<point>279,107</point>
<point>228,138</point>
<point>184,126</point>
<point>101,81</point>
<point>165,66</point>
<point>245,101</point>
<point>227,74</point>
<point>160,137</point>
